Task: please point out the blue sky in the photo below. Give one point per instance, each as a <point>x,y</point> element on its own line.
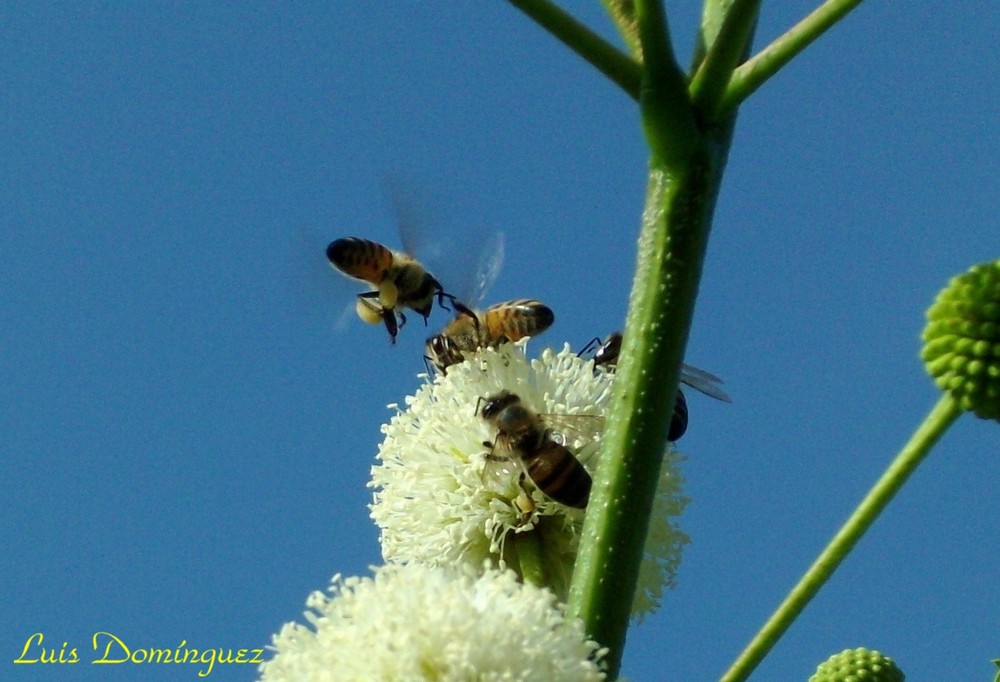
<point>188,432</point>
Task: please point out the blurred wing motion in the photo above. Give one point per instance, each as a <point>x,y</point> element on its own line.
<point>446,245</point>
<point>488,267</point>
<point>501,323</point>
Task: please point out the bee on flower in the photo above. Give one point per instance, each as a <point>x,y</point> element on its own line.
<point>454,482</point>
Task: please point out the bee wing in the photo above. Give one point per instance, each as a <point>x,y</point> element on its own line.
<point>348,315</point>
<point>442,242</point>
<point>498,470</point>
<point>412,216</point>
<point>490,261</point>
<point>703,381</point>
<point>582,428</point>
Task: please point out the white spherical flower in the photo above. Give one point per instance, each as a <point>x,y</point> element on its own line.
<point>664,539</point>
<point>417,622</point>
<point>441,497</point>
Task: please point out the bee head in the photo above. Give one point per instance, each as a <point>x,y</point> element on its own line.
<point>493,405</point>
<point>442,353</point>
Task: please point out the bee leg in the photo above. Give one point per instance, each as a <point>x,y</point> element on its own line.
<point>370,310</point>
<point>402,320</point>
<point>388,293</point>
<point>441,295</point>
<point>593,344</point>
<point>389,317</point>
<point>463,309</point>
<point>524,501</point>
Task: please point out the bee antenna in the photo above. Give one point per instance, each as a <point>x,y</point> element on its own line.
<point>478,403</point>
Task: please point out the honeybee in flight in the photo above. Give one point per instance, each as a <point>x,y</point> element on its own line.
<point>472,329</point>
<point>525,437</point>
<point>606,355</point>
<point>400,282</point>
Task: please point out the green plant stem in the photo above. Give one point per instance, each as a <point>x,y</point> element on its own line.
<point>604,56</point>
<point>906,462</point>
<point>755,72</point>
<point>728,50</point>
<point>667,117</point>
<point>686,165</point>
<point>635,436</point>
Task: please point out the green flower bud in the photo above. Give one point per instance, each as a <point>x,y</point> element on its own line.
<point>858,665</point>
<point>962,340</point>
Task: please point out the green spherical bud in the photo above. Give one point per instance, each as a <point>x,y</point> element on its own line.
<point>962,340</point>
<point>858,665</point>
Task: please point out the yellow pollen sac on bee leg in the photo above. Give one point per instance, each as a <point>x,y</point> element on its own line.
<point>524,503</point>
<point>388,294</point>
<point>368,311</point>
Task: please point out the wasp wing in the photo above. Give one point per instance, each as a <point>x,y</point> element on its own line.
<point>705,382</point>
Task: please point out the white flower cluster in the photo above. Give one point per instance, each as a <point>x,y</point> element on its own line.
<point>446,606</point>
<point>434,505</point>
<point>418,623</point>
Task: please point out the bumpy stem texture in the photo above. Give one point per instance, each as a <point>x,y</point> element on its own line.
<point>686,164</point>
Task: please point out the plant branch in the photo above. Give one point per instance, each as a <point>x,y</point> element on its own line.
<point>877,499</point>
<point>729,48</point>
<point>667,117</point>
<point>769,61</point>
<point>601,54</point>
<point>623,15</point>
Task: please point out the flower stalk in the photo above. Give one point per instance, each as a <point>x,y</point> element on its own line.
<point>909,458</point>
<point>755,72</point>
<point>602,55</point>
<point>729,48</point>
<point>686,164</point>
